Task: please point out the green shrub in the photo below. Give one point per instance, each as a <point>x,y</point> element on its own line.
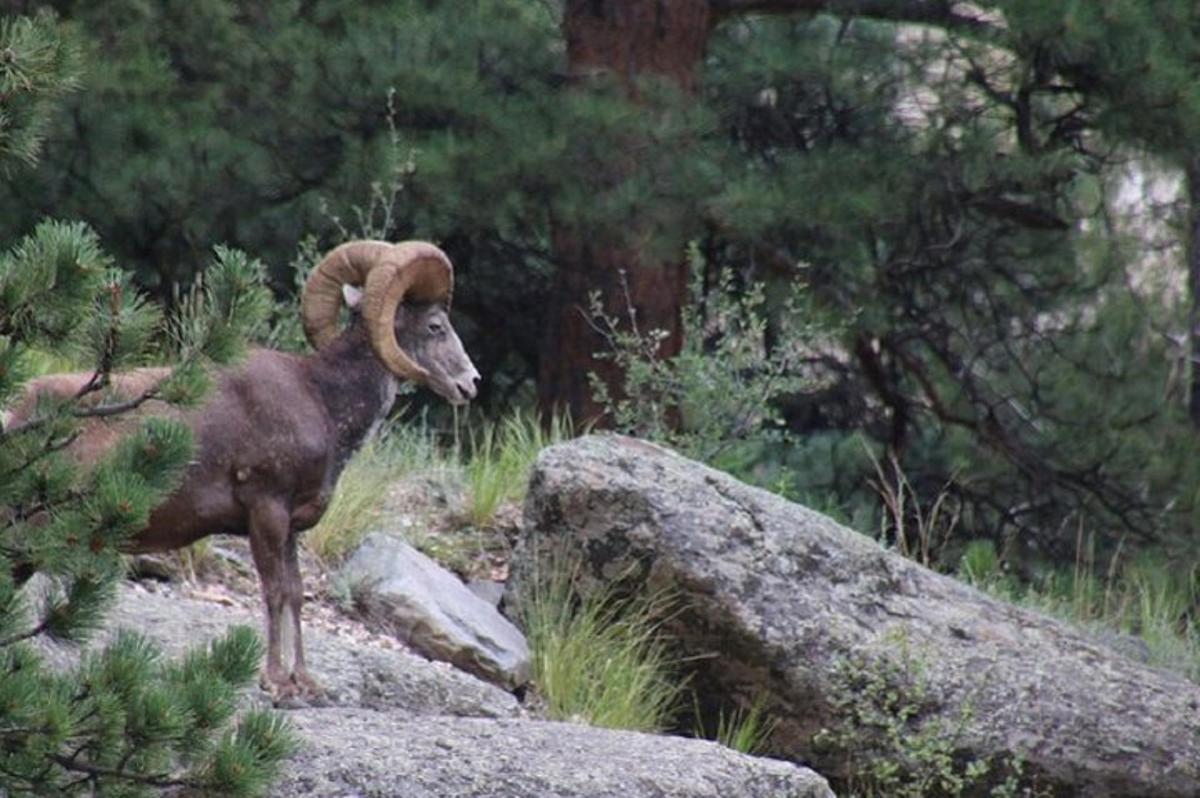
<point>891,743</point>
<point>719,390</point>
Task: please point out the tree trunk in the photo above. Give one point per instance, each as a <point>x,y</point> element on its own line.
<point>1193,266</point>
<point>625,39</point>
<point>774,600</point>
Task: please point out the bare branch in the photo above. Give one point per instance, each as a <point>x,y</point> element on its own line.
<point>949,14</point>
<point>116,408</point>
<point>93,770</point>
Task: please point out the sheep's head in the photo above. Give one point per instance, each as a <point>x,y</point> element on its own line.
<point>424,331</point>
<point>405,303</point>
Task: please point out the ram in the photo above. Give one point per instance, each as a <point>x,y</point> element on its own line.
<point>277,430</point>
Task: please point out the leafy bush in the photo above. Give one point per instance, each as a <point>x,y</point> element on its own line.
<point>718,390</point>
<point>890,744</point>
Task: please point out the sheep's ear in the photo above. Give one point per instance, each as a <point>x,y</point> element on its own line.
<point>352,295</point>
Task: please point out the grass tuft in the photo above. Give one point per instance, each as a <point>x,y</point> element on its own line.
<point>501,456</point>
<point>195,560</point>
<point>357,503</point>
<point>599,660</point>
<point>746,729</point>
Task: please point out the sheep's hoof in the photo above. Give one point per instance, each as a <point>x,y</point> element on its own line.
<point>309,689</point>
<point>280,687</point>
<point>293,691</point>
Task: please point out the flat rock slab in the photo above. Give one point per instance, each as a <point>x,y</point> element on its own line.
<point>781,600</point>
<point>401,590</point>
<point>360,754</point>
<point>357,672</point>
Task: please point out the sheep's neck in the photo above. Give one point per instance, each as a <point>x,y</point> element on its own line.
<point>354,386</point>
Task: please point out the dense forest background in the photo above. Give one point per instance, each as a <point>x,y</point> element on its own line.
<point>928,266</point>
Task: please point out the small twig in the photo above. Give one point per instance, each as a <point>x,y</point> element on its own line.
<point>46,451</point>
<point>116,408</point>
<point>34,632</point>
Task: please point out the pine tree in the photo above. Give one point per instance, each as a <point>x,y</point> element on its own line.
<point>944,199</point>
<point>551,146</point>
<point>123,722</point>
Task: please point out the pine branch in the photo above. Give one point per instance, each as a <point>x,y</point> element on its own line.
<point>50,448</point>
<point>95,771</point>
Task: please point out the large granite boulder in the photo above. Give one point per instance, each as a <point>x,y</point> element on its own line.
<point>357,753</point>
<point>779,599</point>
<point>399,726</point>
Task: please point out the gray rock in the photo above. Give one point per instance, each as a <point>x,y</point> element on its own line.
<point>489,590</point>
<point>355,672</point>
<point>790,599</point>
<point>152,566</point>
<point>1127,645</point>
<point>360,754</point>
<point>431,610</point>
<point>393,730</point>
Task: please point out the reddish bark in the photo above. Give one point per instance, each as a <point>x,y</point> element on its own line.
<point>1193,263</point>
<point>630,39</point>
<point>626,39</point>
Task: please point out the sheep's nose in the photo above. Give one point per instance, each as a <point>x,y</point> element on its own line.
<point>467,388</point>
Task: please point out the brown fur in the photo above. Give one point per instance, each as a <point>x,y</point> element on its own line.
<point>271,441</point>
<point>103,432</point>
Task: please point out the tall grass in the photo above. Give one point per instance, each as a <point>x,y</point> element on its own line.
<point>745,729</point>
<point>357,503</point>
<point>495,470</point>
<point>598,660</point>
<point>919,531</point>
<point>1147,597</point>
<point>195,559</point>
<point>501,456</point>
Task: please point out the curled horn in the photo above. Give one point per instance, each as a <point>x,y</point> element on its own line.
<point>388,273</point>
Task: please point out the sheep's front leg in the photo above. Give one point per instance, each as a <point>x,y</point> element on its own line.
<point>306,684</point>
<point>270,532</point>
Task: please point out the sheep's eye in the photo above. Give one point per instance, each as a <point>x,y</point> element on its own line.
<point>436,328</point>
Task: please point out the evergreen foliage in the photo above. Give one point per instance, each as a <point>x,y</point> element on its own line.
<point>945,194</point>
<point>123,722</point>
<point>203,123</point>
<point>39,62</point>
<point>950,200</point>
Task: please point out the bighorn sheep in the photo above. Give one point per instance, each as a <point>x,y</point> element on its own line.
<point>276,431</point>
